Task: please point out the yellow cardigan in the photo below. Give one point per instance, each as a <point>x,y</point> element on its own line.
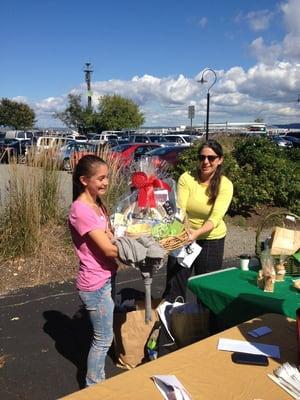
<point>194,201</point>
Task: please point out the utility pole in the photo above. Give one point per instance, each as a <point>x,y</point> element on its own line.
<point>88,72</point>
<point>191,114</point>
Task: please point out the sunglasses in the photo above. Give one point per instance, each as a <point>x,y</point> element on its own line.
<point>202,157</point>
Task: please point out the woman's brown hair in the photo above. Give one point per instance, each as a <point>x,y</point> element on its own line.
<point>214,185</point>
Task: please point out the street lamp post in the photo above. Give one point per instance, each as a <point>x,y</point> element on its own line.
<point>202,80</point>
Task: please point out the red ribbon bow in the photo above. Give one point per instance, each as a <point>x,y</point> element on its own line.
<point>145,185</point>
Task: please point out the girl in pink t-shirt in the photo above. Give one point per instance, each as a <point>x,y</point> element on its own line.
<point>88,222</point>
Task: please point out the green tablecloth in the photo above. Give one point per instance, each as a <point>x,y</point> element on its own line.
<point>233,296</point>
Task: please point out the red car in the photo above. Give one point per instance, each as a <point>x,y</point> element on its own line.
<point>132,152</point>
<point>165,155</point>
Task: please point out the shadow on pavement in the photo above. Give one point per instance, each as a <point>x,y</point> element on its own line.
<point>72,338</point>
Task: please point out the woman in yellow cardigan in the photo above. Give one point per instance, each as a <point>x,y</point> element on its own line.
<point>205,197</point>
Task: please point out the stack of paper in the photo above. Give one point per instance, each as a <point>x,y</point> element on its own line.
<point>241,346</point>
<point>171,388</point>
<point>288,377</point>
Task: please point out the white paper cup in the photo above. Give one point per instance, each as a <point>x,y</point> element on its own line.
<point>244,262</point>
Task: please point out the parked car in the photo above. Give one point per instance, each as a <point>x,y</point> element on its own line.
<point>148,139</point>
<point>100,138</point>
<point>71,151</point>
<point>78,138</point>
<point>47,142</point>
<point>19,135</point>
<point>281,141</point>
<point>132,151</point>
<point>180,139</point>
<point>292,139</point>
<point>13,148</point>
<point>167,154</point>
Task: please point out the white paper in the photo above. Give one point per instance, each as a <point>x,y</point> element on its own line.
<point>283,386</point>
<point>249,347</point>
<point>261,331</point>
<point>184,258</point>
<point>171,388</point>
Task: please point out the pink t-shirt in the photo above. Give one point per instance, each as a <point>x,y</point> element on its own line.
<point>94,267</point>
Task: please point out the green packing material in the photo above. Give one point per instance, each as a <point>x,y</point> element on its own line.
<point>297,256</point>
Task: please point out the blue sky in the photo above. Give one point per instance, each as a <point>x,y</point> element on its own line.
<point>153,52</point>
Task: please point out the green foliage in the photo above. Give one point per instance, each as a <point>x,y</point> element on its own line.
<point>117,112</point>
<point>31,203</point>
<point>75,115</point>
<point>15,114</point>
<point>261,172</point>
<point>267,173</point>
<point>114,113</point>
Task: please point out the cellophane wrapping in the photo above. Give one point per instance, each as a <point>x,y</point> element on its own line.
<point>150,205</point>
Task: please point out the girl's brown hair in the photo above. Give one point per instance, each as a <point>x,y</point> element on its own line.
<point>86,167</point>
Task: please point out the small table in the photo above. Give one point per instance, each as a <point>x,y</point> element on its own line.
<point>206,372</point>
<point>233,296</point>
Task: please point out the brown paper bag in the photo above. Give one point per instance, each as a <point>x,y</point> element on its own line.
<point>131,334</point>
<point>284,241</point>
<point>188,327</point>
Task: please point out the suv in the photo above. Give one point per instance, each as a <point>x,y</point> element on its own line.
<point>19,135</point>
<point>103,138</point>
<point>148,139</point>
<point>47,142</point>
<point>180,139</point>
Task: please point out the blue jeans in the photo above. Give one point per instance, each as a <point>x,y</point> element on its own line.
<point>100,307</point>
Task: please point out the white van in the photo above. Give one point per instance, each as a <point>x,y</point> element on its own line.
<point>19,135</point>
<point>102,138</point>
<point>47,142</point>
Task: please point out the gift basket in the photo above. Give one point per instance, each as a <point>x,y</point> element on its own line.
<point>148,223</point>
<point>150,209</point>
<point>283,243</point>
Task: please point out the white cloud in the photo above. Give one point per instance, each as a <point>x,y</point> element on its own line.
<point>291,13</point>
<point>259,20</point>
<point>20,99</point>
<point>202,22</point>
<point>265,53</point>
<point>268,89</point>
<point>289,47</point>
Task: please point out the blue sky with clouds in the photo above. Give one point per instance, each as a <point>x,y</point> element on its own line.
<point>154,52</point>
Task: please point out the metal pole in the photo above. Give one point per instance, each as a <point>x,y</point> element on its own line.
<point>207,115</point>
<point>208,95</point>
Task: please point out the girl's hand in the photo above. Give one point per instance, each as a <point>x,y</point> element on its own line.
<point>109,234</point>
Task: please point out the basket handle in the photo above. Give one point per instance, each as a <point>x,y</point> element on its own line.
<point>260,227</point>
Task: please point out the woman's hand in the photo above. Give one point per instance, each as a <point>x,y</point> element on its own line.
<point>193,234</point>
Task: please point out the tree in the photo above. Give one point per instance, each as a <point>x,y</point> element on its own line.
<point>15,114</point>
<point>259,120</point>
<point>75,115</point>
<point>117,112</point>
<point>114,113</point>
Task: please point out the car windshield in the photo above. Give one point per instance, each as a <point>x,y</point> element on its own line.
<point>121,147</point>
<point>80,137</point>
<point>159,151</point>
<point>157,139</point>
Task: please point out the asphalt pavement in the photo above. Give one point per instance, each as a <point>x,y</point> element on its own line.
<point>45,335</point>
